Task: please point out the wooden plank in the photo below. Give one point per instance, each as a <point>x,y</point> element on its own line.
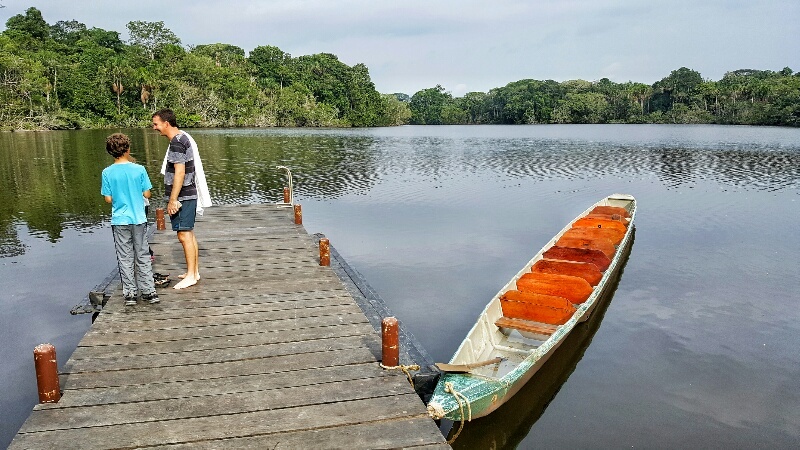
<point>204,405</point>
<point>113,338</point>
<point>175,357</point>
<point>323,331</point>
<point>199,429</point>
<point>216,386</point>
<point>277,364</point>
<point>413,432</point>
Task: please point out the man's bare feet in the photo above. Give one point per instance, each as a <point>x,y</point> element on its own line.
<point>196,276</point>
<point>186,282</point>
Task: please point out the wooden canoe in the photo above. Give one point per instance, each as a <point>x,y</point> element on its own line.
<point>535,311</point>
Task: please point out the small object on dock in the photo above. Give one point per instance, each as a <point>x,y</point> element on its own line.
<point>390,339</point>
<point>286,195</point>
<point>298,215</point>
<point>44,359</point>
<point>160,221</point>
<point>324,252</point>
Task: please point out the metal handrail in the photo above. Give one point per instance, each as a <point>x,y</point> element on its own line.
<point>291,188</point>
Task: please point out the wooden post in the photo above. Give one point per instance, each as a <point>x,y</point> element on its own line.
<point>44,359</point>
<point>390,332</point>
<point>286,195</point>
<point>298,215</point>
<point>324,252</point>
<point>160,224</point>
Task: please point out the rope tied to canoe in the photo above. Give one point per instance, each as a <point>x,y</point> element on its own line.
<point>448,387</point>
<point>405,370</point>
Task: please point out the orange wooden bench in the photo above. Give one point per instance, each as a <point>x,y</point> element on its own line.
<point>595,257</point>
<point>593,233</point>
<point>602,244</point>
<point>587,271</point>
<point>611,210</point>
<point>574,289</point>
<point>524,325</point>
<point>589,222</point>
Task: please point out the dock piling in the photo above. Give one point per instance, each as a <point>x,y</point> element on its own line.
<point>298,214</point>
<point>390,342</point>
<point>44,359</point>
<point>324,252</point>
<point>160,223</point>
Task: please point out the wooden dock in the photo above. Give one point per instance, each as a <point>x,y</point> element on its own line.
<point>269,350</point>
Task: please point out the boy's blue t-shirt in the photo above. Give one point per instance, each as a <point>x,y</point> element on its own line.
<point>126,183</point>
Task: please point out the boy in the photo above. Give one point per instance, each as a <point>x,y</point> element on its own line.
<point>126,185</point>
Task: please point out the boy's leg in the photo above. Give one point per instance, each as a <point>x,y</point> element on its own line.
<point>123,243</point>
<point>144,272</point>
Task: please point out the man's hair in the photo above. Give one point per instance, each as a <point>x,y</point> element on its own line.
<point>117,144</point>
<point>167,115</point>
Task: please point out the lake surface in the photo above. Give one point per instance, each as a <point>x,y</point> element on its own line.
<point>697,347</point>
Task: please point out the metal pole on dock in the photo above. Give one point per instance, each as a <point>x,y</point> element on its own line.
<point>324,252</point>
<point>390,336</point>
<point>44,359</point>
<point>286,198</point>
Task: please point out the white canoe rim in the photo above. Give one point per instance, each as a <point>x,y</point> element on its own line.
<point>466,396</point>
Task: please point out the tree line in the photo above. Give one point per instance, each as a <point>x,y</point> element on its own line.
<point>744,97</point>
<point>67,76</point>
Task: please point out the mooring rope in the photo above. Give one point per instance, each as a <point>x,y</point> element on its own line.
<point>405,370</point>
<point>448,387</point>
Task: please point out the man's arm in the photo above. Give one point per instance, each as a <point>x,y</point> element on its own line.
<point>146,193</point>
<point>108,198</point>
<point>177,184</point>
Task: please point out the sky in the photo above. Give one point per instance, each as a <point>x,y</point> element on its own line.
<point>476,45</point>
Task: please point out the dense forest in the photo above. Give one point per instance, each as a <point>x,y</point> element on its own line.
<point>68,76</point>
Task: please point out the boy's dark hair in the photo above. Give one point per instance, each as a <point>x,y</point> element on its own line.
<point>117,144</point>
<point>167,115</point>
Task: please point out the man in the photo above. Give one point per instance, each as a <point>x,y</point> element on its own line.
<point>181,189</point>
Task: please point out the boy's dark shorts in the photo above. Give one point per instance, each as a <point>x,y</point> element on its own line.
<point>183,220</point>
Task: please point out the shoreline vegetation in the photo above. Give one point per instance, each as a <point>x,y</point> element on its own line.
<point>69,76</point>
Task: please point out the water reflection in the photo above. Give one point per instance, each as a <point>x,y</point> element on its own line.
<point>52,178</point>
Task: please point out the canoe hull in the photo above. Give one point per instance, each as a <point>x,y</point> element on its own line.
<point>481,392</point>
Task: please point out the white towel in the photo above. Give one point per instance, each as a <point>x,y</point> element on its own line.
<point>203,195</point>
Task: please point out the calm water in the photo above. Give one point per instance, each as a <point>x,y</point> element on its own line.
<point>697,347</point>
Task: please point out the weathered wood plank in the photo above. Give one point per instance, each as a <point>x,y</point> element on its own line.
<point>323,331</point>
<point>277,364</point>
<point>318,416</point>
<point>216,386</point>
<point>113,338</point>
<point>176,357</point>
<point>414,432</point>
<point>253,400</point>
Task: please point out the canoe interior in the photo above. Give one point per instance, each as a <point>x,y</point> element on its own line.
<point>486,340</point>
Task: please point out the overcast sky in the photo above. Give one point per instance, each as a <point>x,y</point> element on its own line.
<point>476,45</point>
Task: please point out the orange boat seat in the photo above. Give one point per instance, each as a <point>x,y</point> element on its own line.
<point>602,244</point>
<point>574,289</point>
<point>615,236</point>
<point>588,222</point>
<point>611,210</point>
<point>595,257</point>
<point>587,271</point>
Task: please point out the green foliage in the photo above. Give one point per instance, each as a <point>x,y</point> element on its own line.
<point>67,75</point>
